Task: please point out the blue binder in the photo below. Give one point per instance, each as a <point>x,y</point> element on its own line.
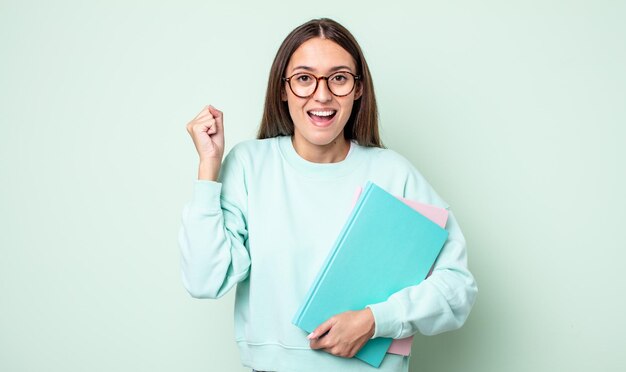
<point>384,247</point>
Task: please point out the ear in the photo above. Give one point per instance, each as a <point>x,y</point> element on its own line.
<point>283,95</point>
<point>359,90</point>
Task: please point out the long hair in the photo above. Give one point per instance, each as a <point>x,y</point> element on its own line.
<point>362,125</point>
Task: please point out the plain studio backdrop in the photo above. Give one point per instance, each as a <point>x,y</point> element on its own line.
<point>514,111</point>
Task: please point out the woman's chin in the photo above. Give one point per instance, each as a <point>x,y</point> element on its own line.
<point>322,140</point>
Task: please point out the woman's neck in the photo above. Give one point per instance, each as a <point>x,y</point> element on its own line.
<point>333,152</point>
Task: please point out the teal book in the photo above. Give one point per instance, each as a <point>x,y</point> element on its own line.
<point>384,246</point>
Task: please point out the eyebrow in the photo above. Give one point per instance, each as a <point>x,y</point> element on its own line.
<point>336,68</point>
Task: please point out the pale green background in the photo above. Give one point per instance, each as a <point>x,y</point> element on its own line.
<point>514,111</point>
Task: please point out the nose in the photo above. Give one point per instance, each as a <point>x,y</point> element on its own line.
<point>322,93</point>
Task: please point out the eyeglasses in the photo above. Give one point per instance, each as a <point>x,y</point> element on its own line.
<point>340,83</point>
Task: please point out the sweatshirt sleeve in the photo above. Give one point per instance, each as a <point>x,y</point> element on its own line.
<point>443,301</point>
<point>213,234</point>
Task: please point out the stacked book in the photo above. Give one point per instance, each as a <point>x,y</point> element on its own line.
<point>387,244</point>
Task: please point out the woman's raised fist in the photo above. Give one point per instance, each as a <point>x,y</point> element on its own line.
<point>207,133</point>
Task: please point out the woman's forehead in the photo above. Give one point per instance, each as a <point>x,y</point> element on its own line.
<point>321,56</point>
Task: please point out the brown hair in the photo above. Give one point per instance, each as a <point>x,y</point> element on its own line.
<point>362,125</point>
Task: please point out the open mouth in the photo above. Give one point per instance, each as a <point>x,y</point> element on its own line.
<point>322,117</point>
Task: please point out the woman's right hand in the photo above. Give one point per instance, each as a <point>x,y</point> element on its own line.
<point>207,133</point>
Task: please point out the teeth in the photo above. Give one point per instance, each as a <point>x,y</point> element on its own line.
<point>322,113</point>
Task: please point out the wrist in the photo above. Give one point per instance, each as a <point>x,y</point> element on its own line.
<point>371,322</point>
<point>211,161</point>
<point>209,169</point>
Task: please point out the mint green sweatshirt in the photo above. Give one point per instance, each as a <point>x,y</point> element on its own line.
<point>267,227</point>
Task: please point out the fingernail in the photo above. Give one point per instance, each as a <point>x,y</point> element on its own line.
<point>312,335</point>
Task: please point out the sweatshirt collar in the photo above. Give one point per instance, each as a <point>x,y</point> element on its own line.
<point>311,169</point>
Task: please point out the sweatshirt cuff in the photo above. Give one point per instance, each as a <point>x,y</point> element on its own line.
<point>385,319</point>
<point>206,195</point>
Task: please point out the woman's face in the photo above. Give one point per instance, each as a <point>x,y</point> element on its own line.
<point>315,131</point>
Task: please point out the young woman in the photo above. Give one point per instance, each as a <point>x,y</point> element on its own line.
<point>266,217</point>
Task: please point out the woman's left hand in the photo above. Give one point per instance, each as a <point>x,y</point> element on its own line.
<point>344,334</point>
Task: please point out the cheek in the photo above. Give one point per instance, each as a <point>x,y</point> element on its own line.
<point>295,111</point>
<point>347,108</point>
<point>295,105</point>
